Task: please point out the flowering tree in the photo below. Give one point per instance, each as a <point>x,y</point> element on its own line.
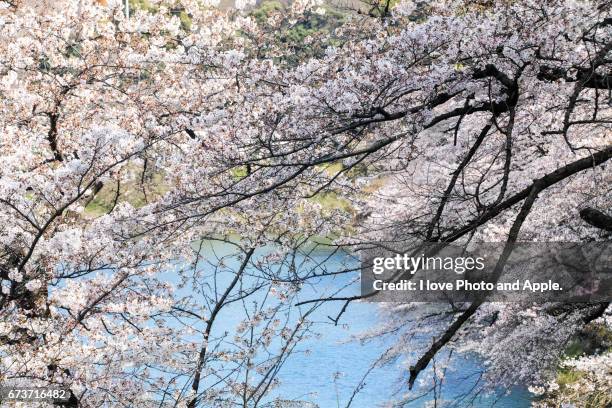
<point>94,102</point>
<point>449,122</point>
<point>481,122</point>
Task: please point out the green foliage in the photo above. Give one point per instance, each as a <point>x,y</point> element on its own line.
<point>185,20</point>
<point>266,9</point>
<point>97,208</point>
<point>567,377</point>
<point>131,192</point>
<point>333,168</point>
<point>578,387</point>
<point>593,339</point>
<point>313,23</point>
<point>382,8</point>
<point>332,201</point>
<point>293,33</point>
<point>574,349</point>
<point>238,173</point>
<point>144,5</point>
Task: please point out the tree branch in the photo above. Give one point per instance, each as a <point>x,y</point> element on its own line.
<point>597,218</point>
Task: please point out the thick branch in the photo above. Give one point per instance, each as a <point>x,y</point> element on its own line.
<point>423,362</point>
<point>597,218</point>
<point>588,78</point>
<point>548,180</point>
<point>52,136</point>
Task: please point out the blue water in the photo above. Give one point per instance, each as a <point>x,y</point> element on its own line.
<point>312,378</point>
<point>328,375</point>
